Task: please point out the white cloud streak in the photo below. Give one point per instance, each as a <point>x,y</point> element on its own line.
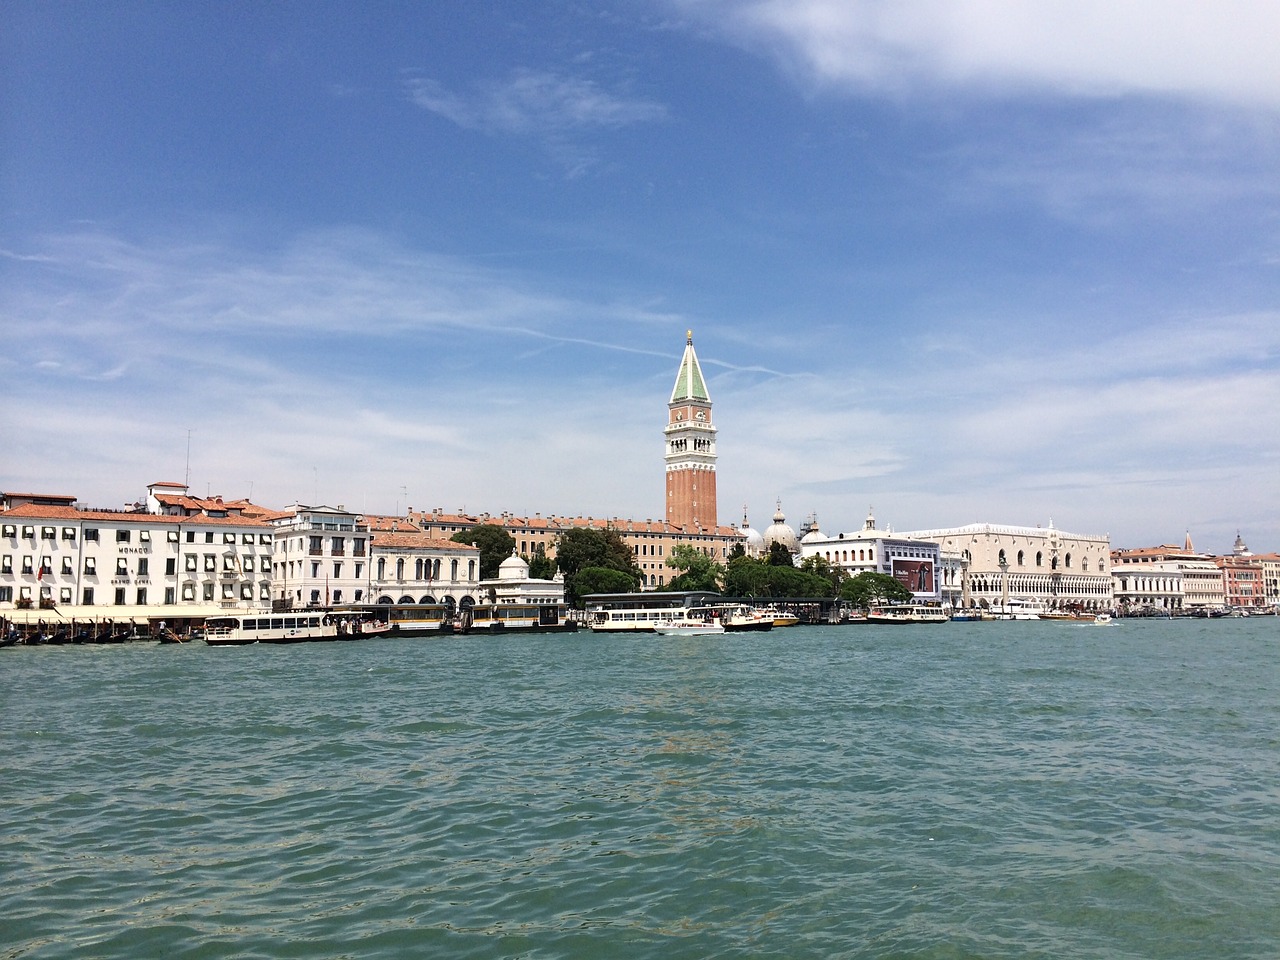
<point>1227,51</point>
<point>418,371</point>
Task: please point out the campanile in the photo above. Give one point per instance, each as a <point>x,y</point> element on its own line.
<point>691,448</point>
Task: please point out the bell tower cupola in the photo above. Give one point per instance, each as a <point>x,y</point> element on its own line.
<point>691,448</point>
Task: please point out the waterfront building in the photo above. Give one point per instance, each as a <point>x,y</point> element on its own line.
<point>1201,580</point>
<point>513,585</point>
<point>913,561</point>
<point>60,562</point>
<point>1064,571</point>
<point>411,567</point>
<point>1270,578</point>
<point>1149,587</point>
<point>1242,578</point>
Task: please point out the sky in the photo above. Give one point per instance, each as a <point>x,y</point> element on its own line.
<point>1005,261</point>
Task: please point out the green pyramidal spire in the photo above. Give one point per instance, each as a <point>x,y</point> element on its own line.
<point>689,382</point>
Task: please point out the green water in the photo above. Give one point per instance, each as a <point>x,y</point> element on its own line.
<point>966,790</point>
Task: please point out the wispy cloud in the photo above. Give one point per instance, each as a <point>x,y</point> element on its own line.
<point>556,110</point>
<point>1225,51</point>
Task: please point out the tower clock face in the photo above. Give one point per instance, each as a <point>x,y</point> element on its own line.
<point>700,415</point>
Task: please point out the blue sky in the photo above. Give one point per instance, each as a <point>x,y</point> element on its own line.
<point>965,261</point>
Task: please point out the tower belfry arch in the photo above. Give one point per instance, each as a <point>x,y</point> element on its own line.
<point>690,447</point>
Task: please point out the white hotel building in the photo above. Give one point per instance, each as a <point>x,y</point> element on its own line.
<point>170,557</point>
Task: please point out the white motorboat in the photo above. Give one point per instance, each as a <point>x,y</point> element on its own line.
<point>688,628</point>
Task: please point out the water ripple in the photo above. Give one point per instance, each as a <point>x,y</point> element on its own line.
<point>973,790</point>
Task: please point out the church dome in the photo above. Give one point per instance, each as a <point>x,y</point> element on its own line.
<point>513,568</point>
<point>779,532</point>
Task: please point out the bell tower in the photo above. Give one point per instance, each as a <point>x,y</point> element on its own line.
<point>691,447</point>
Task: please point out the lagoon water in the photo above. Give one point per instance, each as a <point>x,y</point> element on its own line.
<point>967,790</point>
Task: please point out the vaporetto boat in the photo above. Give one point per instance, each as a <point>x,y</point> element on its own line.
<point>908,613</point>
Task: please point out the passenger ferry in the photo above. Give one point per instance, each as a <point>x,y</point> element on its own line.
<point>908,613</point>
<point>642,612</point>
<point>1019,610</point>
<point>526,617</point>
<point>289,627</point>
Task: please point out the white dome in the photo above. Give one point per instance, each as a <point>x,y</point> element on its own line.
<point>812,535</point>
<point>513,568</point>
<point>779,532</point>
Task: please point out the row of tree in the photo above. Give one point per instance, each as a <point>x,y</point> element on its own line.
<point>599,561</point>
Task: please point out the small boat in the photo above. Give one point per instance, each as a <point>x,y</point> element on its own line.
<point>781,618</point>
<point>1102,618</point>
<point>689,628</point>
<point>744,618</point>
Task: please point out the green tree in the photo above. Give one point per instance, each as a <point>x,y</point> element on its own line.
<point>542,567</point>
<point>585,548</point>
<point>697,570</point>
<point>779,556</point>
<point>495,546</point>
<point>821,567</point>
<point>746,577</point>
<point>589,580</point>
<point>868,588</point>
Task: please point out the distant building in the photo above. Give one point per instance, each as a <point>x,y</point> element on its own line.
<point>690,448</point>
<point>1242,578</point>
<point>1199,579</point>
<point>915,562</point>
<point>158,560</point>
<point>1065,571</point>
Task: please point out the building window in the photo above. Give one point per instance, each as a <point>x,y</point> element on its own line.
<point>229,563</point>
<point>68,533</point>
<point>265,540</point>
<point>6,564</point>
<point>337,570</point>
<point>188,591</point>
<point>27,564</point>
<point>265,565</point>
<point>170,566</point>
<point>400,568</point>
<point>122,567</point>
<point>64,595</point>
<point>264,591</point>
<point>29,533</point>
<point>315,596</point>
<point>169,596</point>
<point>119,596</point>
<point>359,570</point>
<point>10,529</point>
<point>315,568</point>
<point>207,592</point>
<point>210,563</point>
<point>229,538</point>
<point>382,568</point>
<point>1039,559</point>
<point>87,596</point>
<point>66,565</point>
<point>337,596</point>
<point>142,566</point>
<point>189,562</point>
<point>90,566</point>
<point>191,536</point>
<point>338,546</point>
<point>122,536</point>
<point>46,564</point>
<point>357,548</point>
<point>48,533</point>
<point>144,536</point>
<point>453,569</point>
<point>246,591</point>
<point>228,591</point>
<point>1067,561</point>
<point>246,538</point>
<point>471,569</point>
<point>208,538</point>
<point>173,536</point>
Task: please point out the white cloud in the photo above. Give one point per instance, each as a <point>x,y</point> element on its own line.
<point>1226,51</point>
<point>557,111</point>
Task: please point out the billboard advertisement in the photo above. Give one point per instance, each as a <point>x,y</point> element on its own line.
<point>915,575</point>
